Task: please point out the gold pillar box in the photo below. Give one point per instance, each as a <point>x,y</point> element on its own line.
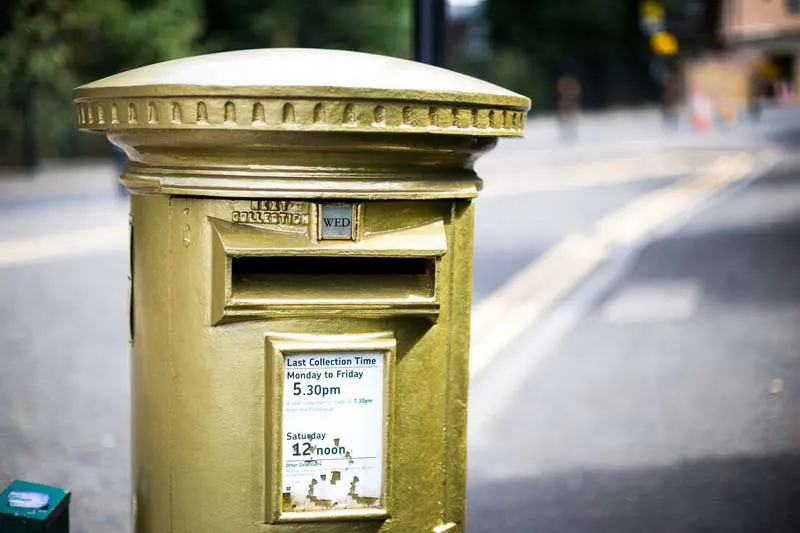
<point>302,232</point>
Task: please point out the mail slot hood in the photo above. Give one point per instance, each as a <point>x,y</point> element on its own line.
<point>262,272</point>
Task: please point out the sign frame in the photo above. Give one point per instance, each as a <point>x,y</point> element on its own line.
<point>279,345</point>
<point>355,217</point>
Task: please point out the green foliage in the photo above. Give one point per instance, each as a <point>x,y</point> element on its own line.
<point>516,71</point>
<point>379,26</point>
<point>51,46</point>
<point>118,35</point>
<point>31,55</point>
<point>512,69</point>
<point>368,26</point>
<point>599,41</point>
<point>47,47</point>
<point>553,29</point>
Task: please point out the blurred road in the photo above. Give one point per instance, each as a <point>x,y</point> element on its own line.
<point>662,391</point>
<point>636,356</point>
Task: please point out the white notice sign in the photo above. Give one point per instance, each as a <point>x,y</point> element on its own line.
<point>333,431</point>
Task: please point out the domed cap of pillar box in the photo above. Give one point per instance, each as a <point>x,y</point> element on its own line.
<point>300,90</point>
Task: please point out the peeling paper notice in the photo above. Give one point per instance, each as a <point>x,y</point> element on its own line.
<point>332,431</point>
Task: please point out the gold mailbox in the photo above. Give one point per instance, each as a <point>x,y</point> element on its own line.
<point>301,263</point>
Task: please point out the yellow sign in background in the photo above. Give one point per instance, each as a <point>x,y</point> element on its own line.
<point>664,43</point>
<point>652,10</point>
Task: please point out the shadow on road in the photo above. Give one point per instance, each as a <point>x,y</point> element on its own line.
<point>787,138</point>
<point>756,266</point>
<point>727,495</point>
<point>748,254</point>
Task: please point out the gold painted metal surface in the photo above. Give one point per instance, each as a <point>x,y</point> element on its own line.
<point>233,156</point>
<point>300,89</point>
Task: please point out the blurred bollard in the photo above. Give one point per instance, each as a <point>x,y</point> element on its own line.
<point>568,89</point>
<point>784,94</point>
<point>701,109</point>
<point>756,92</point>
<point>671,99</point>
<point>30,507</point>
<point>727,113</point>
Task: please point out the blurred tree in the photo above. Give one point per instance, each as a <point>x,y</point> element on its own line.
<point>550,29</point>
<point>363,25</point>
<point>599,41</point>
<point>33,62</point>
<point>47,47</point>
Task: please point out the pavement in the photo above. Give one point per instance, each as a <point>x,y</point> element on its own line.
<point>635,343</point>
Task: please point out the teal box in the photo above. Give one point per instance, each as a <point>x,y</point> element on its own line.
<point>30,507</point>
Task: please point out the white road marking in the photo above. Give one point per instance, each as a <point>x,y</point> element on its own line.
<point>645,213</point>
<point>655,301</point>
<point>502,316</point>
<point>53,246</point>
<point>512,374</point>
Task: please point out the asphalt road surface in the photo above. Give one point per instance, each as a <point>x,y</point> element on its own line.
<point>672,402</point>
<point>656,390</point>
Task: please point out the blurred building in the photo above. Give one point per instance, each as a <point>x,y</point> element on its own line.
<point>771,28</point>
<point>739,49</point>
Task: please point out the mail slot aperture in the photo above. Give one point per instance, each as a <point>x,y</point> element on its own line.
<point>244,267</point>
<point>323,282</point>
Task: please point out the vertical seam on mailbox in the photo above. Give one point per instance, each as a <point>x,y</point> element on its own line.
<point>449,363</point>
<point>169,359</point>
